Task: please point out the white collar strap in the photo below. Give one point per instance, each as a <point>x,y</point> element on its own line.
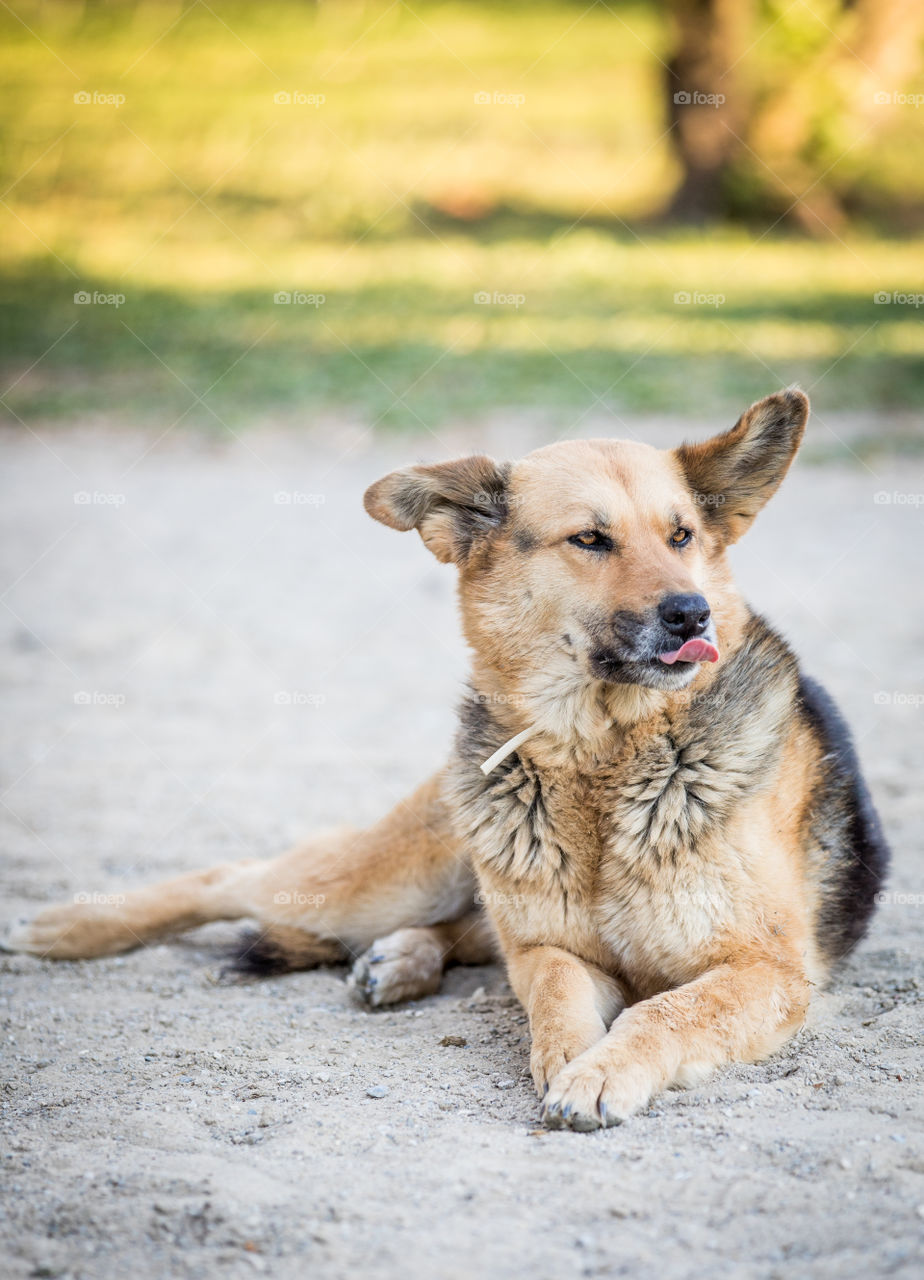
<point>507,749</point>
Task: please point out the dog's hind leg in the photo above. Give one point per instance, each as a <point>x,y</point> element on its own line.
<point>322,902</point>
<point>103,924</point>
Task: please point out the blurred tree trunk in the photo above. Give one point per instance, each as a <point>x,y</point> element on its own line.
<point>705,99</point>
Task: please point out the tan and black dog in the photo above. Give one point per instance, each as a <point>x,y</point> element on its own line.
<point>652,814</point>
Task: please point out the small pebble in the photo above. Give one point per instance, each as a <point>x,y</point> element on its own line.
<point>506,1083</point>
<point>377,1091</point>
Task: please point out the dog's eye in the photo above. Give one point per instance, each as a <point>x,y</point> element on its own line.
<point>680,537</point>
<point>593,540</point>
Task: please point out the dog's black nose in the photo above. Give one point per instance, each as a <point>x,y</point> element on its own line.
<point>684,615</point>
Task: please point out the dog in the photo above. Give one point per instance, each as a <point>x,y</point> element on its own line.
<point>650,814</point>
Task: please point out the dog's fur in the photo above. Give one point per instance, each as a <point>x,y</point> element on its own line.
<point>672,859</point>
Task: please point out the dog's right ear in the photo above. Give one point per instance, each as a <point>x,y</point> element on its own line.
<point>734,474</point>
<point>454,506</point>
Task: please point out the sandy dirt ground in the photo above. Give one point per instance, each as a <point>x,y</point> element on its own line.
<point>211,651</point>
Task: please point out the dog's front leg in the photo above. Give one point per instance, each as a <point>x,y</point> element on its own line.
<point>730,1014</point>
<point>570,1004</point>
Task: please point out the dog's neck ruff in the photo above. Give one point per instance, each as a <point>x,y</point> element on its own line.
<point>507,749</point>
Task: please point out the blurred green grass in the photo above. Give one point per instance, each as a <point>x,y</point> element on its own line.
<point>399,198</point>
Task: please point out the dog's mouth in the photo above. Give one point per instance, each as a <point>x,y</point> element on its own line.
<point>664,669</point>
<point>696,650</point>
<point>636,648</point>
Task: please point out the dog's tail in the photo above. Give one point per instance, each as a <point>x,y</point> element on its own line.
<point>261,953</point>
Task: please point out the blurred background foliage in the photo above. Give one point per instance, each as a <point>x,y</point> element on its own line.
<point>581,165</point>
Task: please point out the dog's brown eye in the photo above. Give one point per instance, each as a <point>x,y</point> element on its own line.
<point>592,539</point>
<point>680,537</point>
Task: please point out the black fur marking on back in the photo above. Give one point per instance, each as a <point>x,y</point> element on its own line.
<point>846,826</point>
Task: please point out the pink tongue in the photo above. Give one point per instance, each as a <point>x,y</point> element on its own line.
<point>692,651</point>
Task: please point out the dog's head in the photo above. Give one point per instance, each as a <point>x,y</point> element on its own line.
<point>597,560</point>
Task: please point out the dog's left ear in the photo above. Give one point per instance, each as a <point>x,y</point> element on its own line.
<point>454,506</point>
<point>734,474</point>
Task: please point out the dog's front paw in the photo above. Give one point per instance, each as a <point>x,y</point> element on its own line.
<point>595,1091</point>
<point>552,1051</point>
<point>405,965</point>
